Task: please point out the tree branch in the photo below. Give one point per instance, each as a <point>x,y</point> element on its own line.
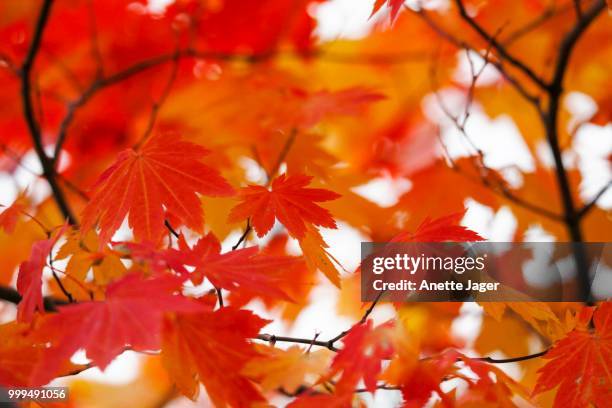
<point>30,117</point>
<point>501,50</point>
<point>555,90</point>
<point>11,295</point>
<point>589,206</point>
<point>534,99</point>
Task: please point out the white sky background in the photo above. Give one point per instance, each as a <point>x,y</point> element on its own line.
<point>349,19</point>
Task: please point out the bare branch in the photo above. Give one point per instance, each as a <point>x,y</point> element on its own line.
<point>534,99</point>
<point>591,204</point>
<point>30,117</point>
<point>282,155</point>
<point>499,187</point>
<point>244,235</point>
<point>577,9</point>
<point>501,50</point>
<point>555,90</point>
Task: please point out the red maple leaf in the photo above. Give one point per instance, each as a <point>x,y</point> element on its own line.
<point>393,5</point>
<point>130,316</point>
<point>243,269</point>
<point>365,347</point>
<point>316,106</point>
<point>29,280</point>
<point>441,229</point>
<point>581,364</point>
<point>163,173</point>
<point>289,201</point>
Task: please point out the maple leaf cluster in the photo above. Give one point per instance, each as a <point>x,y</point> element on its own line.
<point>193,159</point>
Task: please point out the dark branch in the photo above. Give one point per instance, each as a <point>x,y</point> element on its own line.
<point>555,90</point>
<point>570,40</point>
<point>11,295</point>
<point>511,360</point>
<point>30,117</point>
<point>171,229</point>
<point>501,50</point>
<point>282,155</point>
<point>244,235</point>
<point>534,99</point>
<point>591,204</point>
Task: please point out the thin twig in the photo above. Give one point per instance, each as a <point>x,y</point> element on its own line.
<point>171,229</point>
<point>58,281</point>
<point>577,9</point>
<point>520,88</point>
<point>160,101</point>
<point>591,204</point>
<point>282,155</point>
<point>501,50</point>
<point>511,360</point>
<point>361,321</point>
<point>244,235</point>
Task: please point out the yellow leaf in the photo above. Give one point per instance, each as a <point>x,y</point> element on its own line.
<point>315,251</point>
<point>287,369</point>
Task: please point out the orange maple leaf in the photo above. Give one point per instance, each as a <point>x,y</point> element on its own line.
<point>9,217</point>
<point>20,354</point>
<point>287,369</point>
<point>213,347</point>
<point>288,201</point>
<point>164,172</point>
<point>581,364</point>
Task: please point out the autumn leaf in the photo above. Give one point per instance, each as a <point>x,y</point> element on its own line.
<point>387,131</point>
<point>9,217</point>
<point>241,269</point>
<point>365,347</point>
<point>317,256</point>
<point>130,316</point>
<point>580,364</point>
<point>146,390</point>
<point>20,355</point>
<point>446,228</point>
<point>393,5</point>
<point>163,173</point>
<point>318,105</point>
<point>322,401</point>
<point>423,378</point>
<point>212,348</point>
<point>297,288</point>
<point>84,254</point>
<point>289,201</point>
<point>150,257</point>
<point>537,314</point>
<point>29,280</point>
<point>488,386</point>
<point>287,369</point>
